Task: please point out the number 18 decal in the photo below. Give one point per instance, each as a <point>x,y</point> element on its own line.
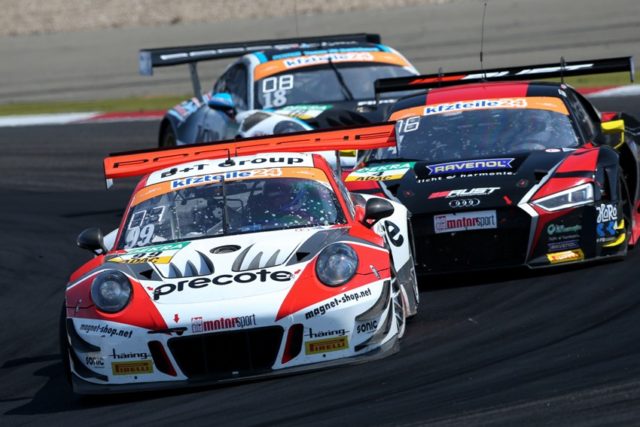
<point>274,90</point>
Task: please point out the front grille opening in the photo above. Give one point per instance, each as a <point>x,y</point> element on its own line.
<point>505,246</point>
<point>161,359</point>
<point>294,342</point>
<point>227,354</point>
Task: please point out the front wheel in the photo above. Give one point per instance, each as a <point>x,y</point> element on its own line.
<point>64,344</point>
<point>168,137</point>
<point>400,304</point>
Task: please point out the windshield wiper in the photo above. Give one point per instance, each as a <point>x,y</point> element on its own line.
<point>344,86</point>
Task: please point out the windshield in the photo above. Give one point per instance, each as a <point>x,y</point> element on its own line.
<point>479,133</point>
<point>322,84</point>
<point>228,207</point>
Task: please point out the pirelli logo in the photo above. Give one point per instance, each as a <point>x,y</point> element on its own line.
<point>565,256</point>
<point>132,368</point>
<point>326,345</point>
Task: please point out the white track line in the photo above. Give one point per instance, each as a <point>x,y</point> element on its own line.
<point>44,119</point>
<point>629,90</point>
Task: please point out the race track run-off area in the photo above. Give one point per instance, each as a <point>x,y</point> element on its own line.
<point>553,347</point>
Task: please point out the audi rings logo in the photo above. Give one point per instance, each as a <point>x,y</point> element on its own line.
<point>464,203</point>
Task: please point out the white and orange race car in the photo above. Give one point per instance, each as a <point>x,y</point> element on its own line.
<point>230,264</point>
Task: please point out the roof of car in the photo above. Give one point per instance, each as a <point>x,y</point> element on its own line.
<point>301,50</point>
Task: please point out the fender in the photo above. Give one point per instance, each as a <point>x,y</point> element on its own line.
<point>395,230</point>
<point>607,168</point>
<point>194,122</point>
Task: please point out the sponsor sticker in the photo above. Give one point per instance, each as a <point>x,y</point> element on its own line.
<point>463,221</point>
<point>157,254</point>
<point>387,172</point>
<point>562,229</point>
<point>303,61</point>
<point>563,245</point>
<point>479,165</point>
<point>159,248</point>
<point>322,309</point>
<point>326,345</point>
<point>94,360</point>
<point>303,112</point>
<point>105,330</point>
<point>606,231</point>
<point>565,256</point>
<point>367,327</point>
<point>606,213</point>
<point>323,334</point>
<point>142,260</point>
<point>211,178</point>
<point>132,368</point>
<point>198,324</point>
<point>547,103</point>
<point>246,277</point>
<point>464,192</point>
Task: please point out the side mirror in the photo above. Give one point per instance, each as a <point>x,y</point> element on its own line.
<point>375,210</point>
<point>92,239</point>
<point>222,101</point>
<point>613,132</point>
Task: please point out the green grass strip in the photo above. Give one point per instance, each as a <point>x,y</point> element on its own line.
<point>105,105</point>
<point>165,102</point>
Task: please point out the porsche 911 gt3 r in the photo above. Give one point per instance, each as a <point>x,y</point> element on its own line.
<point>501,172</point>
<point>279,86</point>
<point>227,267</point>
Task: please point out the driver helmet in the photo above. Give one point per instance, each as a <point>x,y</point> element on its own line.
<point>283,196</point>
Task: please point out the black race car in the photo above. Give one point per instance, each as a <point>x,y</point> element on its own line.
<point>502,172</point>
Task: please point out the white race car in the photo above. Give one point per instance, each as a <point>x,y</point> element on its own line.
<point>230,267</point>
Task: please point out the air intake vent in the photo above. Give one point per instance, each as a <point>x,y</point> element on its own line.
<point>249,259</point>
<point>198,267</point>
<point>225,249</point>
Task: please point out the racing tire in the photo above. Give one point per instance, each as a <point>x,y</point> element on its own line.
<point>400,303</point>
<point>64,344</point>
<point>627,208</point>
<point>413,311</point>
<point>168,137</point>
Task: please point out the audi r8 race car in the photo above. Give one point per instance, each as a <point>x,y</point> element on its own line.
<point>278,86</point>
<point>230,264</point>
<point>503,172</point>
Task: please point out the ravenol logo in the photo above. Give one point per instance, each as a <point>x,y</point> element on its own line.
<point>480,165</point>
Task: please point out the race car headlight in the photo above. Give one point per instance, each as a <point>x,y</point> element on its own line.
<point>288,126</point>
<point>336,264</point>
<point>571,198</point>
<point>111,291</point>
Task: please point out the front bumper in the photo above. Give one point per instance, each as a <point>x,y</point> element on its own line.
<point>83,387</point>
<point>108,357</point>
<point>524,237</point>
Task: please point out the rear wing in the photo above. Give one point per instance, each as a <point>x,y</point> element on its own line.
<point>137,163</point>
<point>525,72</point>
<point>148,59</point>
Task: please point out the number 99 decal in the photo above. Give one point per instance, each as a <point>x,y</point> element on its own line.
<point>137,236</point>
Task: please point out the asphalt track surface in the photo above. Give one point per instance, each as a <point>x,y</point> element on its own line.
<point>554,347</point>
